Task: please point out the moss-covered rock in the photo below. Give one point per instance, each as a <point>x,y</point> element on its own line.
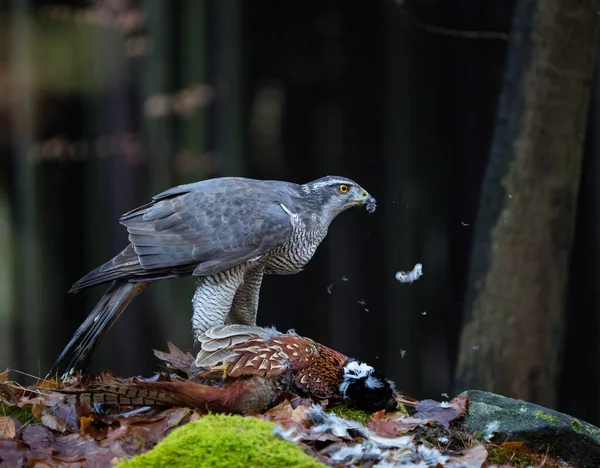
<point>224,441</point>
<point>541,429</point>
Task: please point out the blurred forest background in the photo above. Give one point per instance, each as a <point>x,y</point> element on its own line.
<point>105,103</point>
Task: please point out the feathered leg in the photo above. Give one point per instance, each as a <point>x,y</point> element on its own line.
<point>213,298</point>
<point>116,298</point>
<point>245,302</point>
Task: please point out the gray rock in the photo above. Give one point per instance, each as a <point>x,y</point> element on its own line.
<point>539,428</point>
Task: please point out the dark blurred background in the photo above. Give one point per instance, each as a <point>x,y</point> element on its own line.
<point>105,103</point>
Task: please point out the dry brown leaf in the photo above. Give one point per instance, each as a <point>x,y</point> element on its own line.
<point>473,457</point>
<point>8,428</point>
<point>442,413</point>
<point>299,414</point>
<point>280,414</point>
<point>394,424</point>
<point>47,384</point>
<point>176,359</point>
<point>37,410</point>
<point>512,445</point>
<point>4,376</point>
<point>84,423</point>
<point>52,422</point>
<point>176,415</point>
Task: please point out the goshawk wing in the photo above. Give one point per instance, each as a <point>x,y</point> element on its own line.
<point>200,229</point>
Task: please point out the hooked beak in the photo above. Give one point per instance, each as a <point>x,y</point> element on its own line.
<point>367,200</point>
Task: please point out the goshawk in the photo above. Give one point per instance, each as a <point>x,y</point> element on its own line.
<point>228,232</point>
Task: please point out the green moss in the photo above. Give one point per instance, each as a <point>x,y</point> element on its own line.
<point>429,437</point>
<point>22,415</point>
<point>402,409</point>
<point>224,441</point>
<point>501,456</point>
<point>545,416</point>
<point>576,425</point>
<point>352,414</point>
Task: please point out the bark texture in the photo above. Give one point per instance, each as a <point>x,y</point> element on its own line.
<point>515,303</point>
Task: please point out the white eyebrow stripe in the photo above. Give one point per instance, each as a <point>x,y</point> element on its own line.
<point>334,181</point>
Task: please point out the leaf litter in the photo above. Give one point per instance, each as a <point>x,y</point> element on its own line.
<point>83,421</point>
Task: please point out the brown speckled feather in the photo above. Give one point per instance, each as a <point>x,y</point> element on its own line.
<point>265,352</point>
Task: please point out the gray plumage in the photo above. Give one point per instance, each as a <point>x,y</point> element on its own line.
<point>228,232</point>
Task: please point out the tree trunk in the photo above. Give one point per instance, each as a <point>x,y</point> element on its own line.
<point>519,269</point>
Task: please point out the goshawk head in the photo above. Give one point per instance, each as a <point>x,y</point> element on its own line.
<point>333,194</point>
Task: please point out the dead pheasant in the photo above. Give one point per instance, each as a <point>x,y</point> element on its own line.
<point>245,369</point>
<point>295,364</point>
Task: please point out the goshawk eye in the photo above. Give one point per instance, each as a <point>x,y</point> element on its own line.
<point>344,188</point>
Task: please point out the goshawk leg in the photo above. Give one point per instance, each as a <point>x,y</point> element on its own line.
<point>213,298</point>
<point>245,302</point>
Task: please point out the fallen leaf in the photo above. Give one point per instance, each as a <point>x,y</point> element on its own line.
<point>394,424</point>
<point>174,416</point>
<point>143,433</point>
<point>61,417</point>
<point>177,359</point>
<point>4,376</point>
<point>37,410</point>
<point>512,445</point>
<point>52,422</point>
<point>286,416</point>
<point>473,457</point>
<point>8,429</point>
<point>12,453</point>
<point>194,415</point>
<point>442,413</point>
<point>7,394</point>
<point>84,423</point>
<point>36,436</point>
<point>47,384</point>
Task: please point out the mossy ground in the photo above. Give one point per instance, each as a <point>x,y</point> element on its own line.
<point>501,456</point>
<point>351,414</point>
<point>22,415</point>
<point>224,441</point>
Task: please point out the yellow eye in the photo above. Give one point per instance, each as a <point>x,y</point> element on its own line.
<point>344,188</point>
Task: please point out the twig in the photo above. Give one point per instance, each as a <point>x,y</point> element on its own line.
<point>25,374</point>
<point>495,35</point>
<point>545,457</point>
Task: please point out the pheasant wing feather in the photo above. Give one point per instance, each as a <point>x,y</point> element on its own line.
<point>246,350</point>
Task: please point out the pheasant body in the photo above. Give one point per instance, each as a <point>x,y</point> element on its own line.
<point>312,369</point>
<point>244,369</point>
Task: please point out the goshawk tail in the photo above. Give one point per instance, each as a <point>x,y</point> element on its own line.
<point>119,294</point>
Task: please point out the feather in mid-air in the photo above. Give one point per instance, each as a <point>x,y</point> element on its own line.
<point>228,232</point>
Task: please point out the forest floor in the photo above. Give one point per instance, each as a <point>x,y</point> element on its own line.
<point>88,421</point>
